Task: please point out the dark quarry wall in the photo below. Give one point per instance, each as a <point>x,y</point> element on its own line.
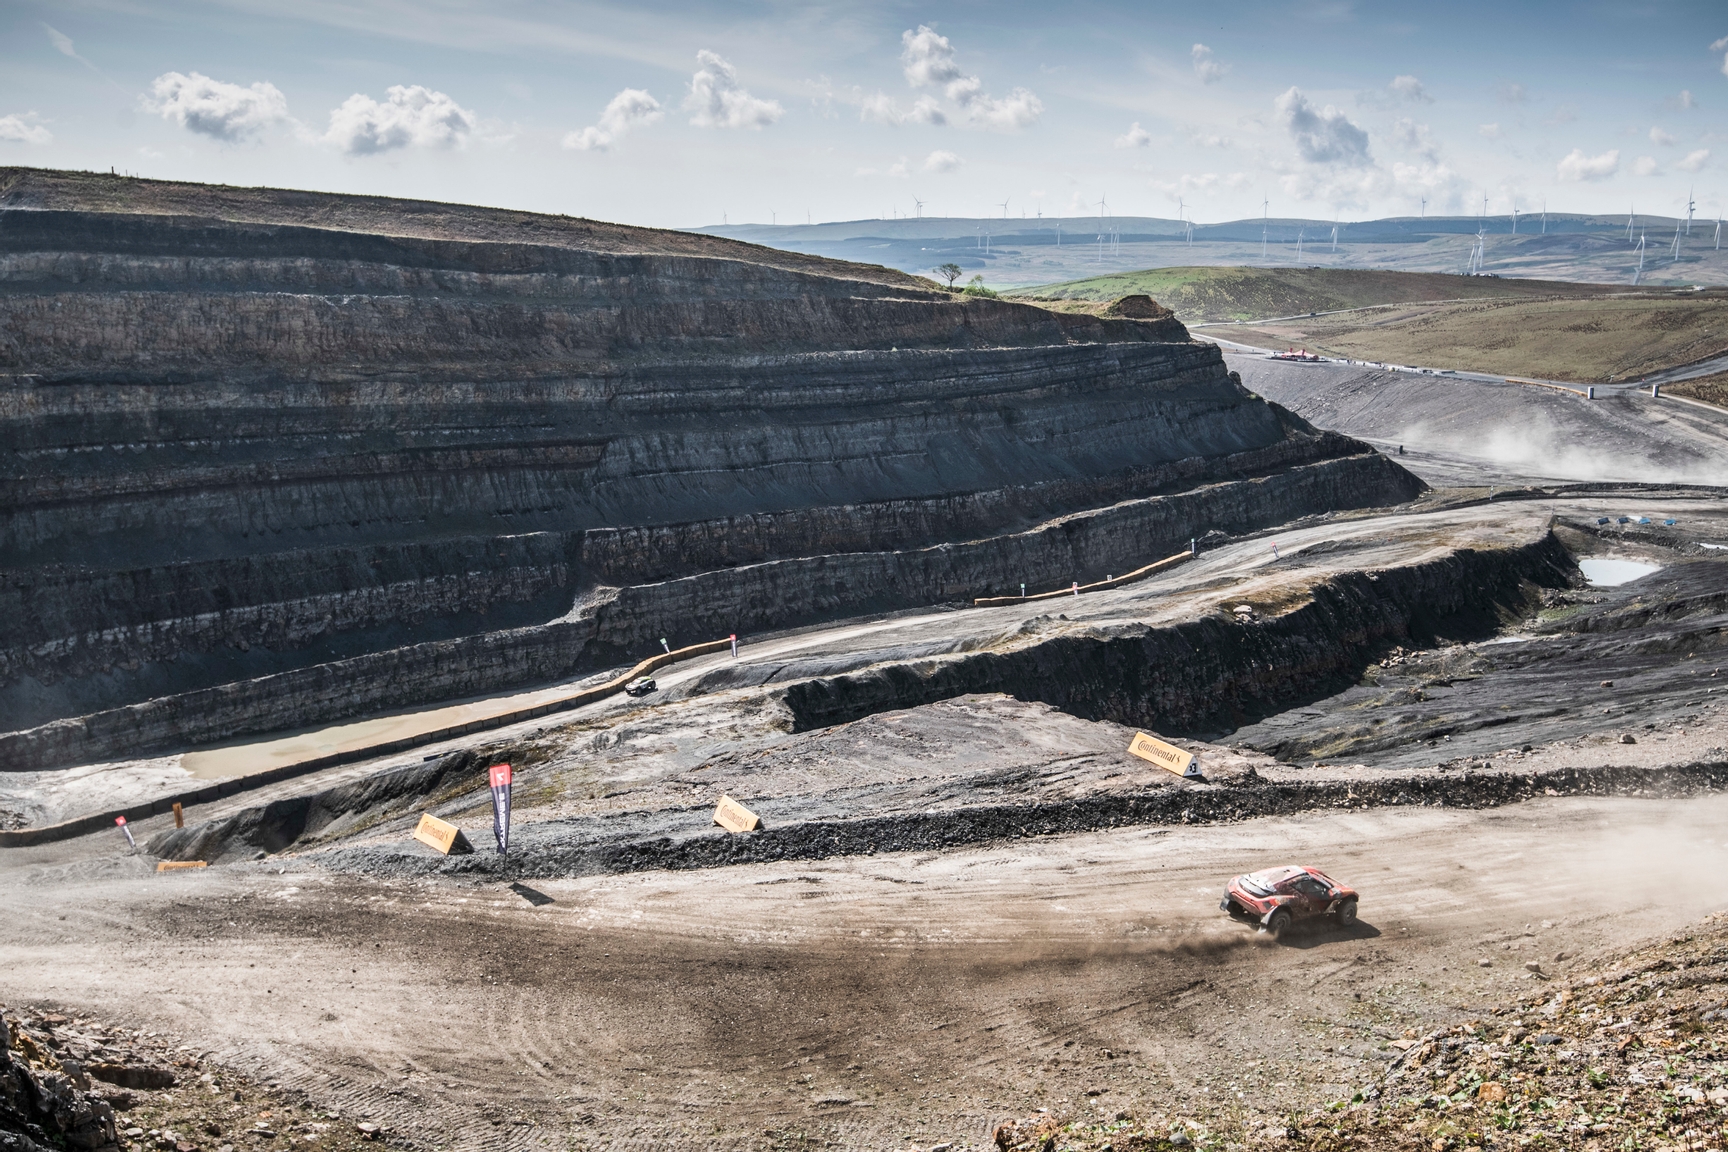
<point>256,474</point>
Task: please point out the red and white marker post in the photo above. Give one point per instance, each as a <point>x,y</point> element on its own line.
<point>121,822</point>
<point>500,774</point>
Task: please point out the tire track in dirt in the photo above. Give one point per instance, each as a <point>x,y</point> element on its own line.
<point>931,992</point>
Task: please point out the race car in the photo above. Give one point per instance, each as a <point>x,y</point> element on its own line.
<point>640,686</point>
<point>1277,897</point>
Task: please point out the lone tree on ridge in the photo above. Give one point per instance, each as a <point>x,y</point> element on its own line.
<point>953,272</point>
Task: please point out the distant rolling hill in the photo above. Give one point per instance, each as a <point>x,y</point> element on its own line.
<point>1019,252</point>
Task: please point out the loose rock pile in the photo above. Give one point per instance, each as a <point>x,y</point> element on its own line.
<point>1634,1056</point>
<point>44,1103</point>
<point>74,1084</point>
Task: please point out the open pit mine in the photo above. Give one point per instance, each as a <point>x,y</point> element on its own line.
<point>320,507</point>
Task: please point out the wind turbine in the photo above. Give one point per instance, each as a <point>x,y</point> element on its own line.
<point>1299,234</point>
<point>1544,215</point>
<point>1631,216</point>
<point>1690,204</point>
<point>1424,207</point>
<point>1674,253</point>
<point>1640,270</point>
<point>1334,237</point>
<point>1479,250</point>
<point>920,207</point>
<point>1265,204</point>
<point>1718,231</point>
<point>1514,217</point>
<point>1005,208</point>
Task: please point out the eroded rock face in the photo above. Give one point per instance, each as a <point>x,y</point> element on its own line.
<point>260,471</point>
<point>42,1106</point>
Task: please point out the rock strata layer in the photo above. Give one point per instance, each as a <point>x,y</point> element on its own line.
<point>272,459</point>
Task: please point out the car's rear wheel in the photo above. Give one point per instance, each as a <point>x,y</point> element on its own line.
<point>1278,923</point>
<point>1347,913</point>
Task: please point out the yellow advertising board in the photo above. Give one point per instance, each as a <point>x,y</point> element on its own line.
<point>1166,756</point>
<point>734,817</point>
<point>441,835</point>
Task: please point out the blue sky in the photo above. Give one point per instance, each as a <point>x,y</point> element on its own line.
<point>682,114</point>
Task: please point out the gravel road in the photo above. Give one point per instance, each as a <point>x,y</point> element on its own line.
<point>914,997</point>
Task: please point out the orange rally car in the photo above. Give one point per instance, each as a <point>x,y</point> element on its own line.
<point>1277,897</point>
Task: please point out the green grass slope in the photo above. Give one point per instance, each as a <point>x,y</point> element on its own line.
<point>1204,295</point>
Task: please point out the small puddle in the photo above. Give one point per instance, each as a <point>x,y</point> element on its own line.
<point>1612,573</point>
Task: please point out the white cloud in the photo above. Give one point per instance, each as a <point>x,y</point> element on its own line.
<point>940,161</point>
<point>1492,131</point>
<point>409,115</point>
<point>1135,137</point>
<point>1189,182</point>
<point>24,130</point>
<point>1577,166</point>
<point>215,108</point>
<point>1645,166</point>
<point>1657,136</point>
<point>1209,140</point>
<point>1322,136</point>
<point>1718,47</point>
<point>63,45</point>
<point>1433,181</point>
<point>882,109</point>
<point>927,59</point>
<point>1694,160</point>
<point>1411,89</point>
<point>1207,65</point>
<point>1513,93</point>
<point>1019,109</point>
<point>1686,99</point>
<point>62,42</point>
<point>717,101</point>
<point>632,108</point>
<point>1415,138</point>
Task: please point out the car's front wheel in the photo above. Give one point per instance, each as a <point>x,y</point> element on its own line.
<point>1347,913</point>
<point>1278,923</point>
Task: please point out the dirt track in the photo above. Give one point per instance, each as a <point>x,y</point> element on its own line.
<point>1464,432</point>
<point>868,1001</point>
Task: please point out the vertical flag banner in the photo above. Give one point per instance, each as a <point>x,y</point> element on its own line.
<point>501,805</point>
<point>121,821</point>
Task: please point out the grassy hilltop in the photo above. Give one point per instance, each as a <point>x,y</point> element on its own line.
<point>1210,295</point>
<point>1584,332</point>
